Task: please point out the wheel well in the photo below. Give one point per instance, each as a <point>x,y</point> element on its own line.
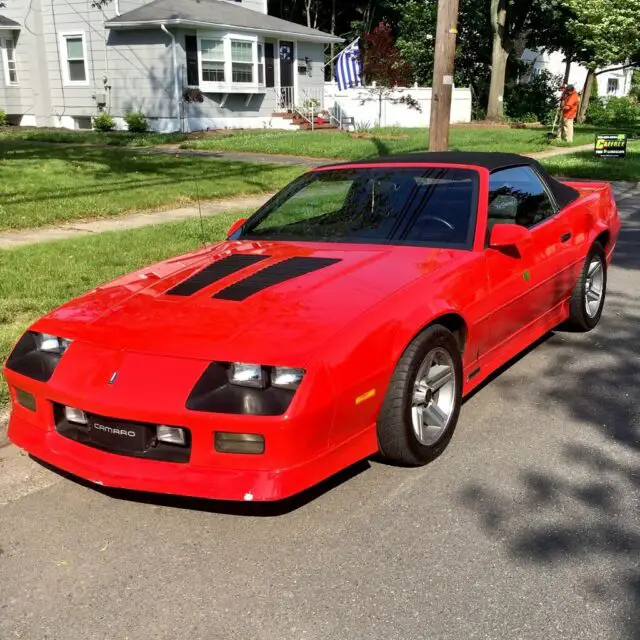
<point>456,324</point>
<point>603,239</point>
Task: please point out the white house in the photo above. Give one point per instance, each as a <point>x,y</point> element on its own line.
<point>615,83</point>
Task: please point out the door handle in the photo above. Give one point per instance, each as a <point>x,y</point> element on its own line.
<point>565,237</point>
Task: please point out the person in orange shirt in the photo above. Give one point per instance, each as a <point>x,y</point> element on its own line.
<point>570,101</point>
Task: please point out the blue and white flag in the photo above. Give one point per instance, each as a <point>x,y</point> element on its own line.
<point>349,67</point>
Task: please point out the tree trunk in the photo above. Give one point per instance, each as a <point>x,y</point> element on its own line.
<point>586,94</point>
<point>499,55</point>
<point>367,17</point>
<point>567,68</point>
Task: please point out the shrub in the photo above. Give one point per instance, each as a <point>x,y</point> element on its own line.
<point>3,118</point>
<point>136,122</point>
<point>104,122</point>
<point>534,99</point>
<point>613,112</point>
<point>193,94</point>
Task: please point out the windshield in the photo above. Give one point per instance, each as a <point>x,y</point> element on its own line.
<point>425,206</point>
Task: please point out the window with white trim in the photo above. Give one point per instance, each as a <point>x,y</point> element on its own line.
<point>230,63</point>
<point>73,52</point>
<point>612,86</point>
<point>260,63</point>
<point>242,61</point>
<point>212,60</point>
<point>9,61</point>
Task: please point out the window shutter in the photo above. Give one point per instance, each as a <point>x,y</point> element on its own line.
<point>270,68</point>
<point>191,49</point>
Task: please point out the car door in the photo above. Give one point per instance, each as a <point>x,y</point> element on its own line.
<point>525,283</point>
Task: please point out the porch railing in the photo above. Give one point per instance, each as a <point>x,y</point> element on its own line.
<point>285,99</point>
<point>310,102</point>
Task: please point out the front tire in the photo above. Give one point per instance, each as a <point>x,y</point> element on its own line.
<point>420,411</point>
<point>587,299</point>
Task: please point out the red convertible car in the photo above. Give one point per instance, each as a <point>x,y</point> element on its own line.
<point>349,316</point>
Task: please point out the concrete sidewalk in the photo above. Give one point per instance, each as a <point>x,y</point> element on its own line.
<point>76,229</point>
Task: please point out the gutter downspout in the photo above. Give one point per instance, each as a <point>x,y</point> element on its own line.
<point>175,72</point>
<point>117,7</point>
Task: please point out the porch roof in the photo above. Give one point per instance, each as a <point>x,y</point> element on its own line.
<point>7,23</point>
<point>214,14</point>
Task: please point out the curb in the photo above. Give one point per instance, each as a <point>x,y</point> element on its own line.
<point>4,422</point>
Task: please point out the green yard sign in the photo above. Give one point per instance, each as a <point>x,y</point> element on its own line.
<point>611,145</point>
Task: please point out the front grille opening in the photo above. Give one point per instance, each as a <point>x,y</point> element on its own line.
<point>122,437</point>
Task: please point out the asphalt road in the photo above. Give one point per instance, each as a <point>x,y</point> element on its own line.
<point>528,527</point>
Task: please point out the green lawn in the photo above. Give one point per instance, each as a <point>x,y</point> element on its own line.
<point>586,165</point>
<point>336,144</point>
<point>49,184</point>
<point>38,278</point>
<point>112,138</point>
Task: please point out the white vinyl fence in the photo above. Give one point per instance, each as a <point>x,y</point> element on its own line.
<point>362,104</point>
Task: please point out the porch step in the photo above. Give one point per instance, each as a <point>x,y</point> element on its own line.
<point>306,126</point>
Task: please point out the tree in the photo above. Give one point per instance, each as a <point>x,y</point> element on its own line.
<point>416,29</point>
<point>548,31</point>
<point>511,22</point>
<point>607,33</point>
<point>384,65</point>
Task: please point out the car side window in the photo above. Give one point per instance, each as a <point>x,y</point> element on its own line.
<point>517,196</point>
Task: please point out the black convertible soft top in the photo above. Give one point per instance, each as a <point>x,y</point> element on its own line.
<point>563,194</point>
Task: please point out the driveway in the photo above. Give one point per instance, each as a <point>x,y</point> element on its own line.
<point>528,527</point>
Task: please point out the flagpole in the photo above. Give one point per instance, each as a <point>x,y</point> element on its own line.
<point>339,54</point>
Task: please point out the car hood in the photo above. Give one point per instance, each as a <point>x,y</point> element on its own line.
<point>283,319</point>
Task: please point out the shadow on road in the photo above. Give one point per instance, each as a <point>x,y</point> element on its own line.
<point>251,509</point>
<point>584,515</point>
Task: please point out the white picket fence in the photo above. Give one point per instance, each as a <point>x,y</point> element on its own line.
<point>362,105</point>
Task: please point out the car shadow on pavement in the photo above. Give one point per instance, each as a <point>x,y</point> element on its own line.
<point>222,507</point>
<point>578,511</point>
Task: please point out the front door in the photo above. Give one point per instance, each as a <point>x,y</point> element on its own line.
<point>528,283</point>
<point>286,64</point>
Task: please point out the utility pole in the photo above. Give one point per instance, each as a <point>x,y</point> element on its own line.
<point>443,66</point>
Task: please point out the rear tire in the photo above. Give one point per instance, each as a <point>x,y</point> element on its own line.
<point>587,299</point>
<point>420,411</point>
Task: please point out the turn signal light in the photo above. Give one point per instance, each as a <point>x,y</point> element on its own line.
<point>26,399</point>
<point>238,442</point>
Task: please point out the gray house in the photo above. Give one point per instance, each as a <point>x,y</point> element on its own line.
<point>65,61</point>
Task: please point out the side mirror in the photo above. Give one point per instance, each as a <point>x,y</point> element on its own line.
<point>508,235</point>
<point>235,226</point>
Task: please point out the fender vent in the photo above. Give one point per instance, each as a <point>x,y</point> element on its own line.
<point>275,274</point>
<point>217,271</point>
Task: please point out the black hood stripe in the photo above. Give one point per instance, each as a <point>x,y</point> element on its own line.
<point>275,274</point>
<point>216,271</point>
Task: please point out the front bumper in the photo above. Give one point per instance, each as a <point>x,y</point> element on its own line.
<point>297,452</point>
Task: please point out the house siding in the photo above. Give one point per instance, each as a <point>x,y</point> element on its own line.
<point>313,80</point>
<point>141,73</point>
<point>27,97</point>
<point>133,70</point>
